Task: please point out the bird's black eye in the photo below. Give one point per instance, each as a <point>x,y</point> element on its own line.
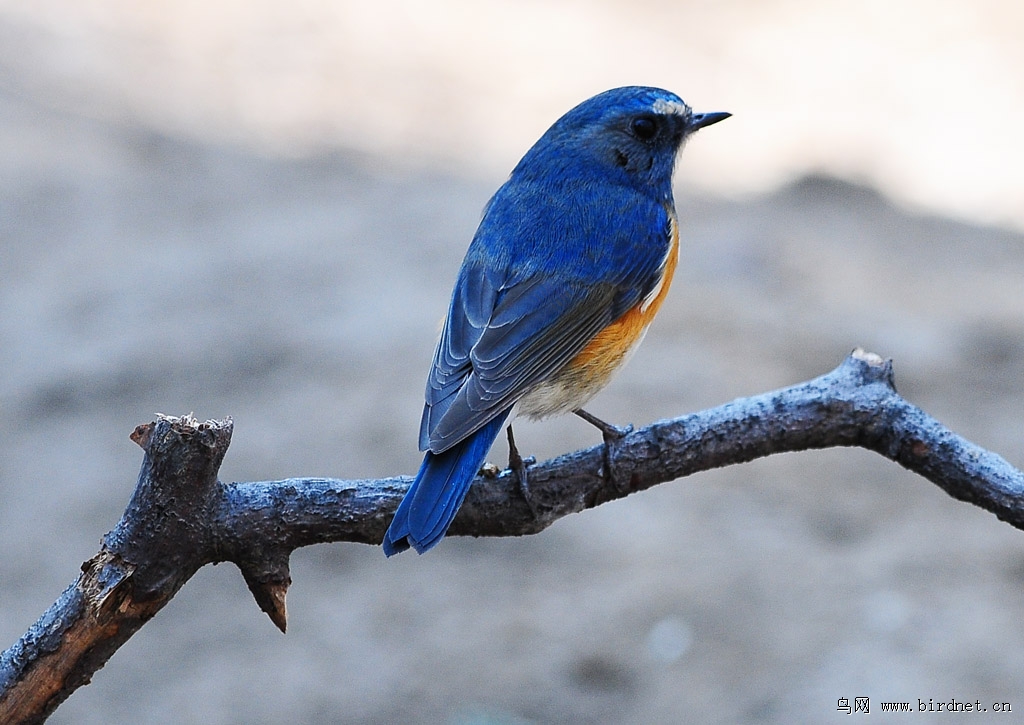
<point>644,127</point>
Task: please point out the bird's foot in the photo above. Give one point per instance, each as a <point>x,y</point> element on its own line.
<point>612,435</point>
<point>518,465</point>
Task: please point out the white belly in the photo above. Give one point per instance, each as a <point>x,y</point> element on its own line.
<point>569,389</point>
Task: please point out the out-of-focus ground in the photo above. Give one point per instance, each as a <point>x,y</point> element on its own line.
<point>258,211</point>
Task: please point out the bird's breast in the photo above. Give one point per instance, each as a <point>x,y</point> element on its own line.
<point>592,368</point>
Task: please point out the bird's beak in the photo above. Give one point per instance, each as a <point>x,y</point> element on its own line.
<point>700,120</point>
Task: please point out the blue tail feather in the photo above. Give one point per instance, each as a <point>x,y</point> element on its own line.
<point>430,505</point>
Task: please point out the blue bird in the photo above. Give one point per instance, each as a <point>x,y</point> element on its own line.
<point>570,263</point>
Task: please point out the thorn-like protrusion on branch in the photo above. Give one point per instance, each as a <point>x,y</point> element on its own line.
<point>270,592</point>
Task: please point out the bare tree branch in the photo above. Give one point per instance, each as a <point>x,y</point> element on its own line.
<point>181,517</point>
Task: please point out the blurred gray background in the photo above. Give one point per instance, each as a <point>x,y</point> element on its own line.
<point>258,209</point>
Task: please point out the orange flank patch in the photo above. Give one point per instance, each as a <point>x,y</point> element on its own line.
<point>612,346</point>
<point>591,369</point>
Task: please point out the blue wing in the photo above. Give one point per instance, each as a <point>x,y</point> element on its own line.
<point>537,285</point>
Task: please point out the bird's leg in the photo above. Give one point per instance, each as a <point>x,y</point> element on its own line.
<point>611,434</point>
<point>518,465</point>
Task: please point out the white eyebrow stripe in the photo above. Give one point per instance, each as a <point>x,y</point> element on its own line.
<point>676,108</point>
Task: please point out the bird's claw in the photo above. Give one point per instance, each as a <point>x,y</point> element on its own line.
<point>612,435</point>
<point>518,465</point>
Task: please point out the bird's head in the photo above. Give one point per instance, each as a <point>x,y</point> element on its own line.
<point>632,134</point>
